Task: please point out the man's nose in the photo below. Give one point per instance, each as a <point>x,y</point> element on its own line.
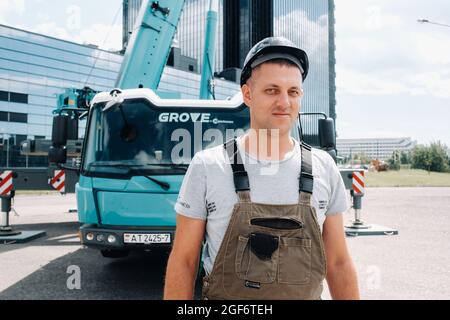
<point>283,100</point>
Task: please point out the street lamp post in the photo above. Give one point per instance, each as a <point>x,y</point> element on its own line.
<point>431,22</point>
<point>7,148</point>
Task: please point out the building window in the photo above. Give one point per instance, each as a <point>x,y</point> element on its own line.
<point>18,97</point>
<point>18,117</point>
<point>4,96</point>
<point>20,138</point>
<point>3,116</point>
<point>13,97</point>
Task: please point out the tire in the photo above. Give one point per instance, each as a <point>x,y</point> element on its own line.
<point>114,254</point>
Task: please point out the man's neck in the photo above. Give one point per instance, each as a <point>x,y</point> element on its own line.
<point>265,145</point>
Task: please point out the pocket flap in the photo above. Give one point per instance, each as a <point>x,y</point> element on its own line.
<point>263,245</point>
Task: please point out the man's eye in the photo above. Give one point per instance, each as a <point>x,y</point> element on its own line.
<point>296,93</point>
<point>270,91</point>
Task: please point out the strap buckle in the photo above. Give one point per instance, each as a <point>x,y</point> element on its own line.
<point>306,182</point>
<point>306,175</point>
<point>241,182</point>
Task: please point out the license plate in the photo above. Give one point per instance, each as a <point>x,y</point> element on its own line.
<point>146,238</point>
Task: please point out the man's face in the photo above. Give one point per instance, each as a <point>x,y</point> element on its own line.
<point>273,95</point>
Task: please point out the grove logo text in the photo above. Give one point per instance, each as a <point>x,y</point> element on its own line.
<point>185,117</point>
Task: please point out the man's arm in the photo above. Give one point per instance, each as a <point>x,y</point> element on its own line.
<point>341,274</point>
<point>184,259</point>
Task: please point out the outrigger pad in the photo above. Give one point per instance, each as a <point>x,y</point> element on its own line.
<point>370,230</point>
<point>263,245</point>
<point>23,237</point>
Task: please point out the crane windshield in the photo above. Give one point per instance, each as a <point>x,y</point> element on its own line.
<point>140,138</point>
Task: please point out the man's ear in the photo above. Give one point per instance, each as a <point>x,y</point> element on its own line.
<point>246,94</point>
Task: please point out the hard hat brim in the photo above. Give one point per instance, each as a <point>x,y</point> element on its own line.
<point>276,55</point>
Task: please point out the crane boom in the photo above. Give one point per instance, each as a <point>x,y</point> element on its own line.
<point>149,45</point>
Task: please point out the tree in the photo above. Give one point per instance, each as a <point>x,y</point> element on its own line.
<point>420,158</point>
<point>431,158</point>
<point>405,157</point>
<point>362,157</point>
<point>439,157</point>
<point>394,161</point>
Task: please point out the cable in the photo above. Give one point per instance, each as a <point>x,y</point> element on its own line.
<point>103,44</point>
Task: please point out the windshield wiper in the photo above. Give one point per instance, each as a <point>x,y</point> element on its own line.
<point>115,165</point>
<point>162,184</point>
<point>131,165</point>
<point>131,169</point>
<point>182,166</point>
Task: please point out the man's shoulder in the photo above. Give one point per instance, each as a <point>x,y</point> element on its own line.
<point>321,158</point>
<point>211,155</point>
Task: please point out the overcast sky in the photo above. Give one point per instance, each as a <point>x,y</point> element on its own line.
<point>393,74</point>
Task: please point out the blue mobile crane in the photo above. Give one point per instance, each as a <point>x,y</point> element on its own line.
<point>129,176</point>
<point>137,146</point>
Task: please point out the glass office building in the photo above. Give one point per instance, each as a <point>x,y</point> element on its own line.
<point>242,23</point>
<point>246,23</point>
<point>310,24</point>
<point>130,14</point>
<point>190,32</point>
<point>35,68</point>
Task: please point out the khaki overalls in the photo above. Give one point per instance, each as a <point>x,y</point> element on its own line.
<point>269,251</point>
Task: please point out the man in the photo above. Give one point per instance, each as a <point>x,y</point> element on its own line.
<point>270,234</point>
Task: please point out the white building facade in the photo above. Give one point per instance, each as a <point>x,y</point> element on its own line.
<point>374,148</point>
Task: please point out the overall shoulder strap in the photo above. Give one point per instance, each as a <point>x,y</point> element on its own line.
<point>306,177</point>
<point>240,176</point>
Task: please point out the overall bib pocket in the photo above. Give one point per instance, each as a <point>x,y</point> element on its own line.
<point>295,261</point>
<point>277,223</point>
<point>249,266</point>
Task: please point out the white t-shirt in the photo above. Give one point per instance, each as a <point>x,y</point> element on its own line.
<point>208,192</point>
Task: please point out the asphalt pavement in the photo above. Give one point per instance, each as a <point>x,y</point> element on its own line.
<point>411,265</point>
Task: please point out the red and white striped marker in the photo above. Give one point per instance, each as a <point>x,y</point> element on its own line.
<point>6,183</point>
<point>358,182</point>
<point>58,181</point>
